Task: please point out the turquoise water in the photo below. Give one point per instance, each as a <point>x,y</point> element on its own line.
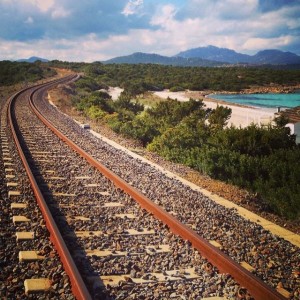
<point>261,100</point>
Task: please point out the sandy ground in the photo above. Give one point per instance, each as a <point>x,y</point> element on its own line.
<point>115,92</point>
<point>240,116</point>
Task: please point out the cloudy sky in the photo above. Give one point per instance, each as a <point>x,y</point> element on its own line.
<point>91,30</point>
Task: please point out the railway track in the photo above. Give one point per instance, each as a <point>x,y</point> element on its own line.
<point>27,256</point>
<point>122,244</point>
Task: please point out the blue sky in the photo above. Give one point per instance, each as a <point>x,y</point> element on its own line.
<point>93,30</point>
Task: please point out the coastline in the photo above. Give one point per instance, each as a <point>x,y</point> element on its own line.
<point>241,116</point>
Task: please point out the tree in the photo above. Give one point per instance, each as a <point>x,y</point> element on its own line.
<point>218,118</point>
<point>281,120</point>
<point>124,102</point>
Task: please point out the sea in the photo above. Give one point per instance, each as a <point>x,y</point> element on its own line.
<point>261,100</point>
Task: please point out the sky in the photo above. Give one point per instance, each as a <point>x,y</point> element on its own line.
<point>96,30</point>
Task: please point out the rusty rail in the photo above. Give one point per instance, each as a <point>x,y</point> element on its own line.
<point>79,288</point>
<point>258,289</point>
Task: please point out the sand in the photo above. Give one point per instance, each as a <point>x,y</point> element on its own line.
<point>240,116</point>
<point>115,92</point>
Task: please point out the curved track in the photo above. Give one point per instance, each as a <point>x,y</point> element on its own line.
<point>78,286</point>
<point>256,287</point>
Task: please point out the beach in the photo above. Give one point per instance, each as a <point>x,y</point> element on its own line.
<point>241,116</point>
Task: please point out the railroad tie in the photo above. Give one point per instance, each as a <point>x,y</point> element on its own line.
<point>11,184</point>
<point>16,205</point>
<point>171,275</point>
<point>56,178</point>
<point>150,249</point>
<point>7,158</point>
<point>37,285</point>
<point>113,204</point>
<point>129,232</point>
<point>20,219</point>
<point>75,218</point>
<point>92,185</point>
<point>82,177</point>
<point>215,243</point>
<point>10,176</point>
<point>13,194</point>
<point>247,266</point>
<point>5,152</point>
<point>283,292</point>
<point>30,256</point>
<point>50,171</point>
<point>24,235</point>
<point>214,298</point>
<point>125,216</point>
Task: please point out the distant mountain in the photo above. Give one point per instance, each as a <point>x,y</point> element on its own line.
<point>146,58</point>
<point>215,53</point>
<point>32,59</point>
<point>274,57</point>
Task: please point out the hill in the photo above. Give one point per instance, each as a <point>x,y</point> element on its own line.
<point>273,57</point>
<point>276,57</point>
<point>215,53</point>
<point>146,58</point>
<point>32,59</point>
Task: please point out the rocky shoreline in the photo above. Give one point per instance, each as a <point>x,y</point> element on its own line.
<point>271,89</point>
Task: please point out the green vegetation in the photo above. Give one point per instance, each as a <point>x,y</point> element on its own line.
<point>16,72</point>
<point>261,160</point>
<point>138,78</point>
<point>156,77</point>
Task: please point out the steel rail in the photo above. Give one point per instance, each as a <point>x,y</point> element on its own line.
<point>78,286</point>
<point>258,289</point>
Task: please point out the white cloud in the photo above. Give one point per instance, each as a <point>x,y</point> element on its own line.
<point>258,44</point>
<point>253,32</point>
<point>233,24</point>
<point>46,6</point>
<point>165,16</point>
<point>29,20</point>
<point>132,7</point>
<point>59,12</point>
<point>236,8</point>
<point>42,5</point>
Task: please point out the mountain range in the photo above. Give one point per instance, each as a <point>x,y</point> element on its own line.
<point>146,58</point>
<point>211,56</point>
<point>230,56</point>
<point>32,59</point>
